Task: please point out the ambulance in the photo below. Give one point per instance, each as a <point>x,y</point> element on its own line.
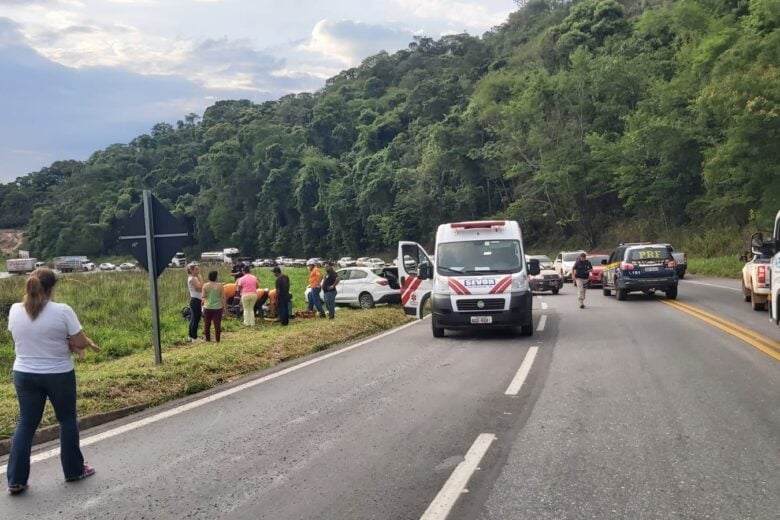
<point>478,278</point>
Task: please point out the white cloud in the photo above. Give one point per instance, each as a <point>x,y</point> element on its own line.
<point>463,15</point>
<point>349,41</point>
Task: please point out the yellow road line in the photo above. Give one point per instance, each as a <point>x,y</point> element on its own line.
<point>766,345</point>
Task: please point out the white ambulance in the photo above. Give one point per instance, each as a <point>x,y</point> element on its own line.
<point>479,278</point>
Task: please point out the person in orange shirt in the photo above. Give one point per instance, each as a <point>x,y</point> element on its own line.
<point>315,282</point>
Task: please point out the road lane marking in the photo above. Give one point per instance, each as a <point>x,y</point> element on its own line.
<point>714,285</point>
<point>522,372</point>
<point>544,306</point>
<point>766,345</point>
<point>92,439</point>
<point>456,484</point>
<point>542,323</point>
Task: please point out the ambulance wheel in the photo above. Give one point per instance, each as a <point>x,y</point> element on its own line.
<point>438,332</point>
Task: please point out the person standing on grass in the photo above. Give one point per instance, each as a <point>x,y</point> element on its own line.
<point>214,306</point>
<point>315,283</point>
<point>282,296</point>
<point>329,289</point>
<point>45,334</point>
<point>579,275</point>
<point>247,286</point>
<point>195,287</point>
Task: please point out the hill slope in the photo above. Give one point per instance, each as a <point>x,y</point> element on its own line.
<point>568,117</point>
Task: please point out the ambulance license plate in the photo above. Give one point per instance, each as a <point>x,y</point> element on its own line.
<point>482,320</point>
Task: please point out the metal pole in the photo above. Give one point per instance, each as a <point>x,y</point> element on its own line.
<point>152,263</point>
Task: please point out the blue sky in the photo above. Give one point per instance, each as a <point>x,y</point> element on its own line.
<point>78,75</point>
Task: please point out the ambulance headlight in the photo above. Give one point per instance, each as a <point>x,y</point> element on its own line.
<point>520,283</point>
<point>441,285</point>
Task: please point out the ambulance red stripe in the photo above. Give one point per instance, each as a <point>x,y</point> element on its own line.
<point>502,285</point>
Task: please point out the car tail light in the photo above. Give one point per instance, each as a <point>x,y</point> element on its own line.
<point>382,281</point>
<point>672,264</point>
<point>762,274</point>
<point>626,266</point>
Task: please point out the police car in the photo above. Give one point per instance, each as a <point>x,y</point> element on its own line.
<point>640,267</point>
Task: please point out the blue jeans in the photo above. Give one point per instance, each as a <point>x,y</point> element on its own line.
<point>330,303</point>
<point>315,301</point>
<point>32,391</point>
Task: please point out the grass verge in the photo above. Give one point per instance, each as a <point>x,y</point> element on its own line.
<point>190,368</point>
<point>720,266</point>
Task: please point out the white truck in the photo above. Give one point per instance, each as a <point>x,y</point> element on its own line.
<point>21,265</point>
<point>226,256</point>
<point>178,260</point>
<point>479,278</point>
<point>771,247</point>
<point>70,264</point>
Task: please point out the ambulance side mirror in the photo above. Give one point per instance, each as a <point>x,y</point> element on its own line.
<point>533,267</point>
<point>425,273</point>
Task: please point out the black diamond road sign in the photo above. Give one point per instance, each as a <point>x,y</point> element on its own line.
<point>170,235</point>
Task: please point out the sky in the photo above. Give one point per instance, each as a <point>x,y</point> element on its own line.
<point>79,75</point>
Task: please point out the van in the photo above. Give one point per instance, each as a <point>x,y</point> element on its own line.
<point>479,278</point>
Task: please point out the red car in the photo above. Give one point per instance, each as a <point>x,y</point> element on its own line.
<point>595,259</point>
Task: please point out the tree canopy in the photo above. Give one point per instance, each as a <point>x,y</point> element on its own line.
<point>567,117</point>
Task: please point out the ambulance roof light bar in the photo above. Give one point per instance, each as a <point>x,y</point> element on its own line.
<point>486,224</point>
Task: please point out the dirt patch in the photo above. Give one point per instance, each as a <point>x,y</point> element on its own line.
<point>10,240</point>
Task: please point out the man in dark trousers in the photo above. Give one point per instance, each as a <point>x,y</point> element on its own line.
<point>329,289</point>
<point>579,275</point>
<point>282,296</point>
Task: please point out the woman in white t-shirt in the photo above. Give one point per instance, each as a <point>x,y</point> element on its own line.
<point>45,334</point>
<point>195,288</point>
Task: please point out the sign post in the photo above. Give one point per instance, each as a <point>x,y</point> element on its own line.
<point>154,236</point>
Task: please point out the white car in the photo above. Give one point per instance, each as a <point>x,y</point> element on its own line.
<point>564,262</point>
<point>346,261</point>
<point>107,266</point>
<point>89,266</point>
<point>366,287</point>
<point>126,266</point>
<point>375,263</point>
<point>257,262</point>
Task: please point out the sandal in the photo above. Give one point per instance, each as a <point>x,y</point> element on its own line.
<point>88,472</point>
<point>15,489</point>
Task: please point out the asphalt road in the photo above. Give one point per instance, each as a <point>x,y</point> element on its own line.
<point>630,410</point>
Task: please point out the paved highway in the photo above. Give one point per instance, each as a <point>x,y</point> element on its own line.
<point>634,409</point>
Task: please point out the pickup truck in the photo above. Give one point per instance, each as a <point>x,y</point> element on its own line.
<point>681,259</point>
<point>755,281</point>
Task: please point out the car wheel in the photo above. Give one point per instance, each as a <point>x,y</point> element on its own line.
<point>681,275</point>
<point>621,294</point>
<point>671,293</point>
<point>606,292</point>
<point>745,292</point>
<point>756,305</point>
<point>527,330</point>
<point>366,301</point>
<point>555,291</point>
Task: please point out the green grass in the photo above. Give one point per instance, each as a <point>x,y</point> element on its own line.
<point>114,311</point>
<point>719,266</point>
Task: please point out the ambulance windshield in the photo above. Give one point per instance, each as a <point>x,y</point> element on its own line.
<point>479,257</point>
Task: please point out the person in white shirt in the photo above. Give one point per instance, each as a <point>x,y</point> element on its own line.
<point>45,334</point>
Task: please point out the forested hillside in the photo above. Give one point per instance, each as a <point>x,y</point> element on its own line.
<point>569,117</point>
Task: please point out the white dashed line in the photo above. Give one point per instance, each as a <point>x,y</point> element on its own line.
<point>522,372</point>
<point>544,306</point>
<point>542,323</point>
<point>456,484</point>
